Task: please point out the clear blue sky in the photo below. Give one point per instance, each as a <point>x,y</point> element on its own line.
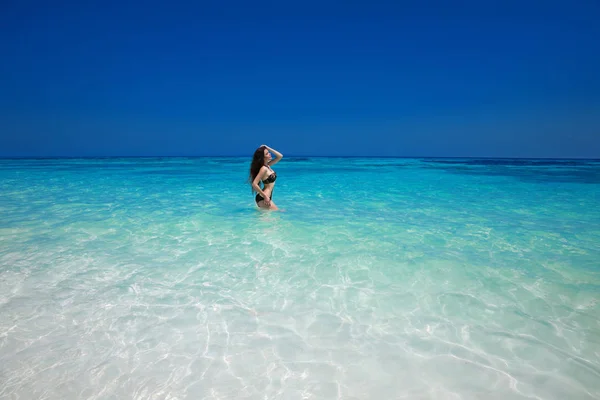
<point>479,78</point>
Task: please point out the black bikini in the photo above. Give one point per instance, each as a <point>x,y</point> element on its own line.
<point>270,179</point>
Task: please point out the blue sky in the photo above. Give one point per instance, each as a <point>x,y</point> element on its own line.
<point>451,79</point>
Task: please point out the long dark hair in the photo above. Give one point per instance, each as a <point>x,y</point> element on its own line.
<point>258,160</point>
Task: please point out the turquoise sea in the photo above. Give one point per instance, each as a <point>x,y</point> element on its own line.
<point>384,278</point>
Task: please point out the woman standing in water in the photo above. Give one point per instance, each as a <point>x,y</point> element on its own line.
<point>260,171</point>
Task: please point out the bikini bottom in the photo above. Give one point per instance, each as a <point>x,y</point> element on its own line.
<point>260,198</point>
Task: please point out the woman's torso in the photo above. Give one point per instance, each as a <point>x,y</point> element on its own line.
<point>269,181</point>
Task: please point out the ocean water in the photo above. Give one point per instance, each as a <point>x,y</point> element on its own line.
<point>157,278</point>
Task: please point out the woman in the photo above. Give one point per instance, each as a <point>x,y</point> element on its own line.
<point>260,171</point>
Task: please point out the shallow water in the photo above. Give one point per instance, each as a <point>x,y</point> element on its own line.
<point>158,278</point>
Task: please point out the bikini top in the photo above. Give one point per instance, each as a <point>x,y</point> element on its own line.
<point>271,177</point>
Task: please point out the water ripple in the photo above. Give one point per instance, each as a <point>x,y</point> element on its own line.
<point>146,278</point>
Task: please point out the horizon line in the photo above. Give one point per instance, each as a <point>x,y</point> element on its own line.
<point>292,156</point>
